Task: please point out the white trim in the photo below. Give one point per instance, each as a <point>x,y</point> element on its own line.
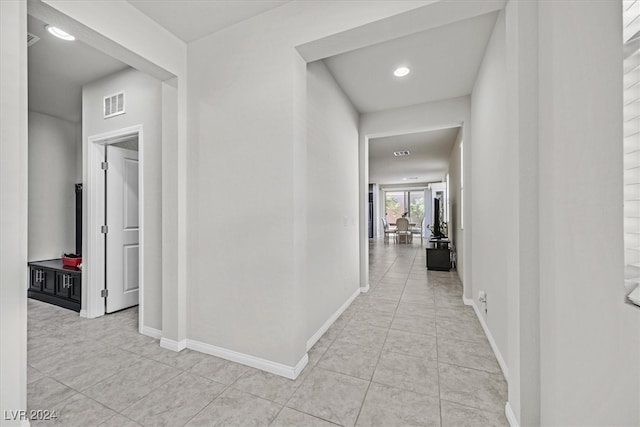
<point>365,289</point>
<point>151,332</point>
<point>83,313</point>
<point>276,368</point>
<point>94,247</point>
<point>93,274</point>
<point>320,332</point>
<point>511,417</point>
<point>492,342</point>
<point>172,344</point>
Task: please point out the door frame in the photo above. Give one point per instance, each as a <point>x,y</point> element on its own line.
<point>94,263</point>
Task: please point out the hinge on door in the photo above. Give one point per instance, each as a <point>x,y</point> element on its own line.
<point>104,293</point>
<point>104,229</point>
<point>104,166</point>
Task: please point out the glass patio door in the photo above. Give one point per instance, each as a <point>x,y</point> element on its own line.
<point>404,203</point>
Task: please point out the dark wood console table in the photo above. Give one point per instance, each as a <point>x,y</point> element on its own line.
<point>439,255</point>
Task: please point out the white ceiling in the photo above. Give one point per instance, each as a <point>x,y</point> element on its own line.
<point>428,161</point>
<point>58,69</point>
<point>193,19</point>
<point>444,62</point>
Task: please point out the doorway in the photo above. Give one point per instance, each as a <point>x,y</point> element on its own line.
<point>115,221</point>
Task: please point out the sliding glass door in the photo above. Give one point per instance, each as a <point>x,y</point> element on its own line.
<point>404,203</point>
<point>395,205</point>
<point>416,205</point>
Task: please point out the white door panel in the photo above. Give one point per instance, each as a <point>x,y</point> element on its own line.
<point>122,220</point>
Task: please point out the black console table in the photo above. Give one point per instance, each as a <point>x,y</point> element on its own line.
<point>52,282</point>
<point>439,255</point>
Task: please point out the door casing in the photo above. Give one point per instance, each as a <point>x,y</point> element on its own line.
<point>94,259</point>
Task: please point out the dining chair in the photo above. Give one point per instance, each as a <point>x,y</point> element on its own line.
<point>417,229</point>
<point>387,230</point>
<point>402,230</point>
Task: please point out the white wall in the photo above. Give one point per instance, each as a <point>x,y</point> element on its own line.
<point>248,151</point>
<point>455,232</point>
<point>523,326</point>
<point>589,352</point>
<point>143,97</point>
<point>53,150</point>
<point>494,194</point>
<point>332,197</point>
<point>13,208</point>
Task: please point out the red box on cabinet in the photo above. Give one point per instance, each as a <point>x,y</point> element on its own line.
<point>71,262</point>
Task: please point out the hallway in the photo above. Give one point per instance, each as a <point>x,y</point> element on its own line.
<point>407,353</point>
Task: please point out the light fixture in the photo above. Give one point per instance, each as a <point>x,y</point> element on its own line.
<point>61,34</point>
<point>401,71</point>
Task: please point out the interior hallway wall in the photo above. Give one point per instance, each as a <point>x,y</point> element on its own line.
<point>332,197</point>
<point>143,98</point>
<point>589,349</point>
<point>13,209</point>
<point>455,230</point>
<point>248,153</point>
<point>494,196</point>
<point>53,150</point>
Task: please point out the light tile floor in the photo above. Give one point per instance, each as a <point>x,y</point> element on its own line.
<point>407,353</point>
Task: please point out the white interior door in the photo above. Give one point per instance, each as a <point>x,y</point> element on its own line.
<point>122,252</point>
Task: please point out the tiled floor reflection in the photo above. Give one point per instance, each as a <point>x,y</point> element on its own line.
<point>407,353</point>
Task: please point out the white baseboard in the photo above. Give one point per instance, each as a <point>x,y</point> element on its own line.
<point>276,368</point>
<point>492,342</point>
<point>320,332</point>
<point>365,289</point>
<point>511,416</point>
<point>173,345</point>
<point>83,313</point>
<point>151,332</point>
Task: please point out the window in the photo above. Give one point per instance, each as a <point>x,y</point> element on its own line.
<point>631,147</point>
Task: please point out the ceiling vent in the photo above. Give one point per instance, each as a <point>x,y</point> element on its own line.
<point>32,39</point>
<point>401,153</point>
<point>114,105</point>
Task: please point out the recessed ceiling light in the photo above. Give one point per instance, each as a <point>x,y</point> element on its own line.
<point>61,34</point>
<point>401,71</point>
<point>401,153</point>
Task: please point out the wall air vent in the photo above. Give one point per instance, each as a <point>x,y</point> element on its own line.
<point>401,153</point>
<point>32,39</point>
<point>114,105</point>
